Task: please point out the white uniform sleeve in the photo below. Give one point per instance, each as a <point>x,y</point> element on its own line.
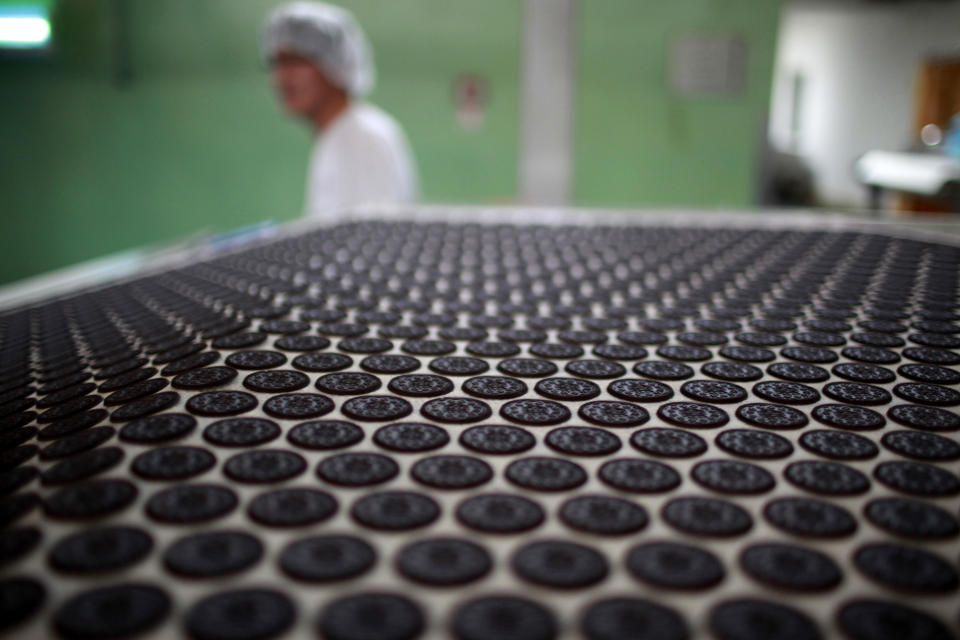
<point>361,160</point>
<point>324,195</point>
<point>371,172</point>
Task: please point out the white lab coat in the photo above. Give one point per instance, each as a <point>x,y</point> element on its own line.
<point>363,157</point>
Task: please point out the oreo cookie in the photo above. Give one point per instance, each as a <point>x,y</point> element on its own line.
<point>713,392</point>
<point>420,385</point>
<point>276,381</point>
<point>134,391</point>
<point>639,390</point>
<point>668,443</point>
<point>917,478</point>
<point>241,432</point>
<point>301,343</point>
<point>552,351</point>
<point>74,468</point>
<point>693,415</point>
<point>857,393</point>
<point>16,543</point>
<point>266,613</point>
<point>497,439</point>
<point>117,610</point>
<point>158,428</point>
<point>786,392</point>
<point>567,389</point>
<point>451,472</point>
<point>145,406</point>
<point>101,549</point>
<point>750,443</point>
<point>325,434</point>
<point>843,416</point>
<point>809,355</point>
<point>327,558</point>
<point>596,369</point>
<point>809,570</point>
<point>535,412</point>
<point>77,443</point>
<point>264,465</point>
<point>357,469</point>
<point>500,513</point>
<point>428,347</point>
<point>494,387</point>
<point>925,418</point>
<point>321,362</point>
<point>635,618</point>
<point>191,503</point>
<point>293,507</point>
<point>930,394</point>
<point>838,445</point>
<point>603,515</point>
<point>221,403</point>
<point>864,618</point>
<point>808,517</point>
<point>411,436</point>
<point>204,378</point>
<point>347,383</point>
<point>172,463</point>
<point>866,373</point>
<point>545,474</point>
<point>706,516</point>
<point>929,373</point>
<point>750,619</point>
<point>871,355</point>
<point>365,345</point>
<point>921,445</point>
<point>659,370</point>
<point>731,371</point>
<point>673,565</point>
<point>684,353</point>
<point>527,367</point>
<point>503,617</point>
<point>456,410</point>
<point>389,364</point>
<point>639,476</point>
<point>906,568</point>
<point>458,366</point>
<point>443,561</point>
<point>348,618</point>
<point>798,372</point>
<point>215,553</point>
<point>301,406</point>
<point>90,499</point>
<point>256,359</point>
<point>395,510</point>
<point>583,441</point>
<point>911,518</point>
<point>732,476</point>
<point>827,478</point>
<point>560,564</point>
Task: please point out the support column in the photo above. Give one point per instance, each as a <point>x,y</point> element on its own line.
<point>547,94</point>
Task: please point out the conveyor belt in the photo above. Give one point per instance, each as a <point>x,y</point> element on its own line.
<point>385,431</point>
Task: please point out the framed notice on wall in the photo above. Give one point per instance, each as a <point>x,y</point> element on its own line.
<point>707,65</point>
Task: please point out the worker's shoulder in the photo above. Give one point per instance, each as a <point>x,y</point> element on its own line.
<point>370,121</point>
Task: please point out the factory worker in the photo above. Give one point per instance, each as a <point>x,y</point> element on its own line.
<point>322,67</point>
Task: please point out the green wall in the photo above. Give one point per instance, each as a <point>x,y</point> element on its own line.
<point>196,140</point>
<point>635,142</point>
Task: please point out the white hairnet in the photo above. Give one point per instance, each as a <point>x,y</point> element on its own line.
<point>327,35</point>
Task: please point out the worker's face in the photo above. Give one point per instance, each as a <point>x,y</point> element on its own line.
<point>301,86</point>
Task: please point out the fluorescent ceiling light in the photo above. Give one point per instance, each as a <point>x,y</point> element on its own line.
<point>20,31</point>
